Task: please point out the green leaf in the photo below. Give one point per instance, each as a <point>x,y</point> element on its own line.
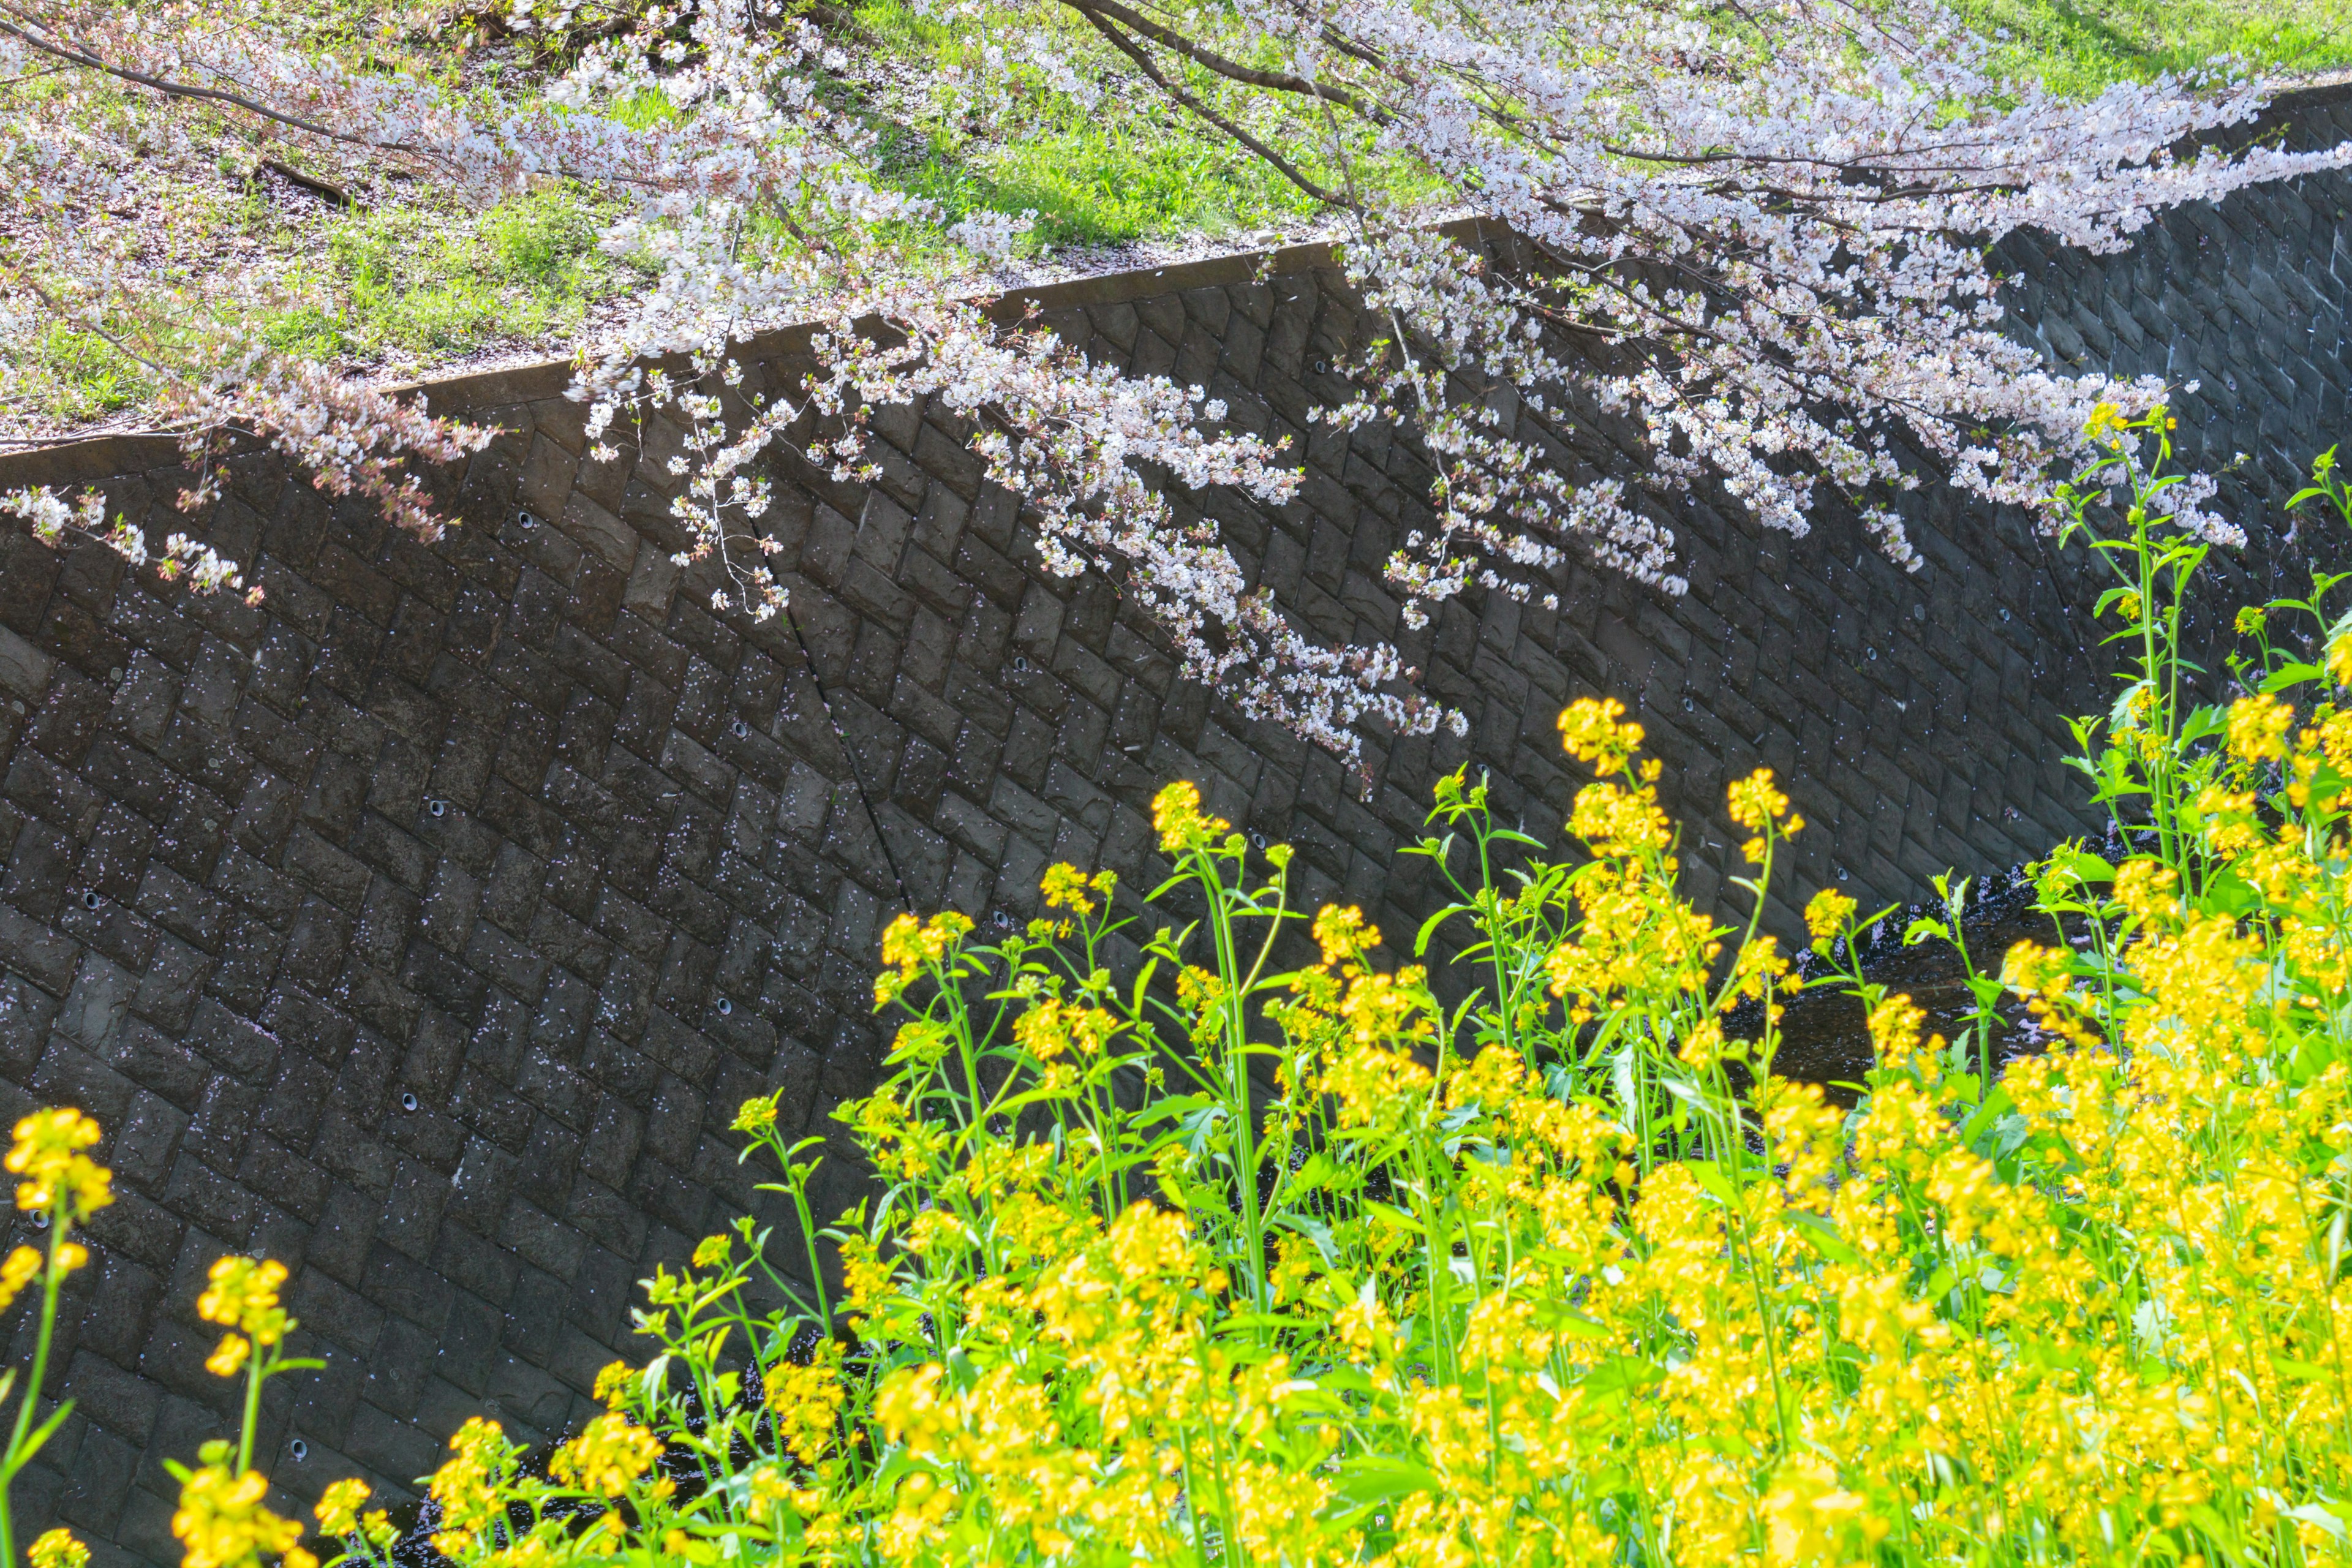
<point>1428,927</point>
<point>1711,1179</point>
<point>2294,674</point>
<point>1622,1374</point>
<point>2303,1371</point>
<point>1822,1235</point>
<point>1375,1478</point>
<point>2314,1513</point>
<point>2229,893</point>
<point>1922,928</point>
<point>1569,1320</point>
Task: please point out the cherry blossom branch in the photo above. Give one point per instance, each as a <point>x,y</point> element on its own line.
<point>55,522</point>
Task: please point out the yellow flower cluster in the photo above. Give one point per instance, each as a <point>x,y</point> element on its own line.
<point>1067,887</point>
<point>59,1549</point>
<point>1595,731</point>
<point>242,1296</point>
<point>221,1521</point>
<point>54,1176</point>
<point>1177,818</point>
<point>470,1486</point>
<point>608,1458</point>
<point>20,1268</point>
<point>910,946</point>
<point>806,1402</point>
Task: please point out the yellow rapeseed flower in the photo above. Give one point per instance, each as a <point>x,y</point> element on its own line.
<point>1181,822</point>
<point>1593,731</point>
<point>337,1510</point>
<point>2257,729</point>
<point>806,1402</point>
<point>59,1549</point>
<point>21,1266</point>
<point>220,1522</point>
<point>242,1296</point>
<point>55,1176</point>
<point>608,1458</point>
<point>2339,657</point>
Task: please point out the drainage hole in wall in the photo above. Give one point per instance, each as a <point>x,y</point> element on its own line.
<point>90,900</point>
<point>40,1219</point>
<point>299,1449</point>
<point>1020,665</point>
<point>437,807</point>
<point>742,730</point>
<point>725,1007</point>
<point>526,518</point>
<point>408,1099</point>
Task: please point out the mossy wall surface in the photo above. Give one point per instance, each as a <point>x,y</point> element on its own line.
<point>423,927</point>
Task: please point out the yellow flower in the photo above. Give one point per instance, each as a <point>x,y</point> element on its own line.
<point>612,1383</point>
<point>17,1272</point>
<point>2339,657</point>
<point>243,1294</point>
<point>756,1114</point>
<point>220,1522</point>
<point>339,1507</point>
<point>57,1176</point>
<point>1343,933</point>
<point>59,1549</point>
<point>1812,1521</point>
<point>606,1457</point>
<point>1589,731</point>
<point>229,1358</point>
<point>1176,813</point>
<point>1826,916</point>
<point>469,1485</point>
<point>2257,729</point>
<point>1756,800</point>
<point>807,1402</point>
<point>911,944</point>
<point>1067,887</point>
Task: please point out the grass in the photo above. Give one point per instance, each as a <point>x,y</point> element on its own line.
<point>1091,183</point>
<point>2081,46</point>
<point>410,283</point>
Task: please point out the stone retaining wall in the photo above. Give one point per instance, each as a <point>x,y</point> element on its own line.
<point>424,928</point>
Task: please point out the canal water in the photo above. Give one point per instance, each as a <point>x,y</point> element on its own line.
<point>1824,1039</point>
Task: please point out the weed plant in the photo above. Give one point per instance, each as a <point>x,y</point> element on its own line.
<point>1223,1262</point>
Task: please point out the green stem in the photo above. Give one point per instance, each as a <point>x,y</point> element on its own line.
<point>29,1400</point>
<point>254,1373</point>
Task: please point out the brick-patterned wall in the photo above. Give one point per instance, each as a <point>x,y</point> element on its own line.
<point>424,928</point>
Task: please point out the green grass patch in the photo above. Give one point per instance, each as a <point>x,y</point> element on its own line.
<point>1098,182</point>
<point>73,376</point>
<point>2083,45</point>
<point>428,283</point>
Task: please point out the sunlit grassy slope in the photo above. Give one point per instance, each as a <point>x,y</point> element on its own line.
<point>2080,45</point>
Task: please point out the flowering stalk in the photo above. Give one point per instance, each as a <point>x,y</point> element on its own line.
<point>60,1187</point>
